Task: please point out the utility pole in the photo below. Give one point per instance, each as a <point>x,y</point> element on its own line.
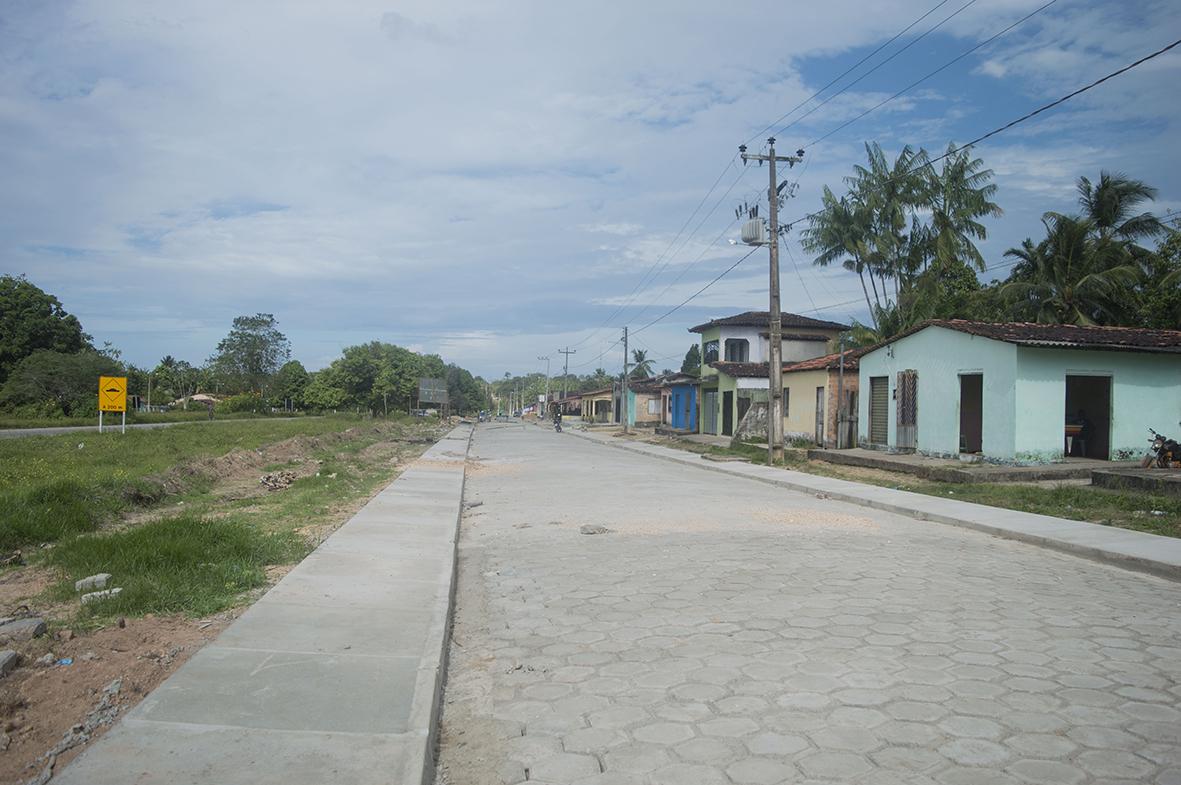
<point>545,409</point>
<point>566,368</point>
<point>775,365</point>
<point>623,398</point>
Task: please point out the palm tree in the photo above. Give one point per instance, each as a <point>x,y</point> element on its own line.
<point>643,366</point>
<point>959,195</point>
<point>840,232</point>
<point>1111,203</point>
<point>1072,276</point>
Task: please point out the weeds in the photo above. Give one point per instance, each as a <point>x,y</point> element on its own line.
<point>175,565</point>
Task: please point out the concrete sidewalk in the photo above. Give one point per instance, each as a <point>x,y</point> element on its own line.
<point>1124,548</point>
<point>333,676</point>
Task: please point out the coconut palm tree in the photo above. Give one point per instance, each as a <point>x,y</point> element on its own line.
<point>1072,276</point>
<point>643,366</point>
<point>1111,206</point>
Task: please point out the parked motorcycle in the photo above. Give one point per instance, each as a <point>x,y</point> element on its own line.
<point>1163,452</point>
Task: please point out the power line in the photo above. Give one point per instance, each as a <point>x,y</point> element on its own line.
<point>849,70</point>
<point>637,289</point>
<point>909,44</point>
<point>941,68</point>
<point>1012,123</point>
<point>693,296</point>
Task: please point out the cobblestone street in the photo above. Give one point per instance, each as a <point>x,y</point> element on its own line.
<point>726,631</point>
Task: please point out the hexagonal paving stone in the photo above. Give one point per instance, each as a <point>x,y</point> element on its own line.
<point>728,726</point>
<point>1046,772</point>
<point>975,752</point>
<point>663,733</point>
<point>702,750</point>
<point>684,773</point>
<point>592,739</point>
<point>841,766</point>
<point>617,717</point>
<point>563,767</point>
<point>908,759</point>
<point>635,759</point>
<point>741,704</point>
<point>908,733</point>
<point>836,737</point>
<point>1041,745</point>
<point>972,727</point>
<point>1112,764</point>
<point>857,717</point>
<point>697,692</point>
<point>776,744</point>
<point>760,771</point>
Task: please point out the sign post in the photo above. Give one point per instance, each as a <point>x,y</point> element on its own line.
<point>432,391</point>
<point>112,397</point>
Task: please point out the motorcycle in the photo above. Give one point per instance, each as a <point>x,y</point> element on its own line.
<point>1163,452</point>
<point>558,426</point>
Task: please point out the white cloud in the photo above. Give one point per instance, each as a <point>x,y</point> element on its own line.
<point>502,174</point>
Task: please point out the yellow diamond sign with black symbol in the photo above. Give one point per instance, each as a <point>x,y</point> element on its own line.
<point>112,393</point>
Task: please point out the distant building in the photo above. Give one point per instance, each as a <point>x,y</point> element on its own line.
<point>734,361</point>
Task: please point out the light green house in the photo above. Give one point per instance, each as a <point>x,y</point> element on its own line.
<point>1020,393</point>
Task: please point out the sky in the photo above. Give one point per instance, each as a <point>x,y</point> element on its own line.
<point>495,181</point>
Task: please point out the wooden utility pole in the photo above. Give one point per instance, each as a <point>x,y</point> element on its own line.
<point>545,409</point>
<point>775,364</point>
<point>623,398</point>
<point>566,368</point>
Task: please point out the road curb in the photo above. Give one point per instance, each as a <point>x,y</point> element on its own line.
<point>334,675</point>
<point>1131,550</point>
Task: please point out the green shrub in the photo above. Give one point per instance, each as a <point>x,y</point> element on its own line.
<point>244,402</point>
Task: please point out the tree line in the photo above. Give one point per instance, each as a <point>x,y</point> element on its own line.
<point>49,367</point>
<point>908,229</point>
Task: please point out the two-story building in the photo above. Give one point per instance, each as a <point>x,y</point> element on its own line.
<point>735,352</point>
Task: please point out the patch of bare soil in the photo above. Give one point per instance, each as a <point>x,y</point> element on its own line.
<point>40,705</point>
<point>470,743</point>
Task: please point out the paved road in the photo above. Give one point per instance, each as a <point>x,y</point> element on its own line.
<point>727,631</point>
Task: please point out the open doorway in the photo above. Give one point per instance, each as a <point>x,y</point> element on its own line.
<point>971,412</point>
<point>1088,410</point>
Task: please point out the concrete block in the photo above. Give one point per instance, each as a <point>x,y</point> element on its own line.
<point>93,582</point>
<point>97,596</point>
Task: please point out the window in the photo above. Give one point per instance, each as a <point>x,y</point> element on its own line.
<point>653,406</point>
<point>786,401</point>
<point>709,353</point>
<point>737,350</point>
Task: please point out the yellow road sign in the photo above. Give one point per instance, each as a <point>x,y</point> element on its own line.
<point>112,393</point>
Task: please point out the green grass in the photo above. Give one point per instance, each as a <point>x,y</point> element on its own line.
<point>175,565</point>
<point>180,415</point>
<point>204,560</point>
<point>54,486</point>
<point>1124,509</point>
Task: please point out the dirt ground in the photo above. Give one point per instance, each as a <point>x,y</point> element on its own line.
<point>60,706</point>
<point>40,704</point>
<point>471,743</point>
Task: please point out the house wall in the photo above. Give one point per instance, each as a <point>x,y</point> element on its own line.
<point>1145,392</point>
<point>848,386</point>
<point>638,408</point>
<point>939,356</point>
<point>800,386</point>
